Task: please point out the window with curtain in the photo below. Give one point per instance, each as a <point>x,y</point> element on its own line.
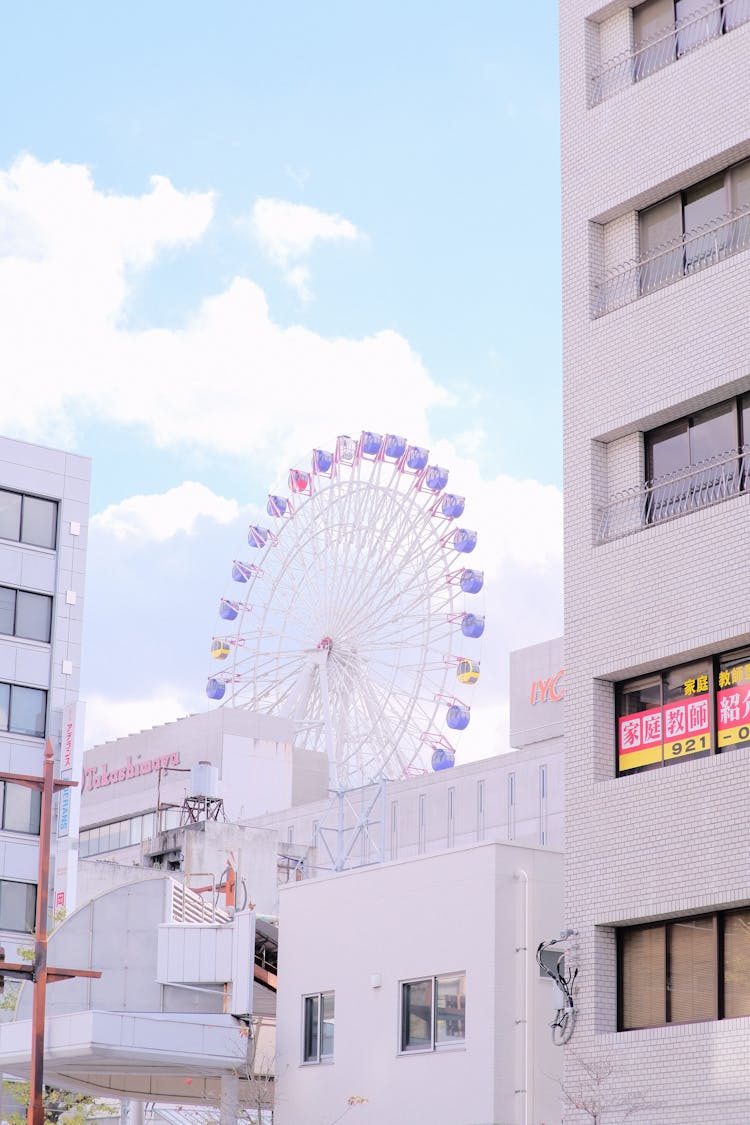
<point>684,970</point>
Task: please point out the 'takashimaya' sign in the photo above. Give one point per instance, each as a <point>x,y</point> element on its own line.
<point>94,778</point>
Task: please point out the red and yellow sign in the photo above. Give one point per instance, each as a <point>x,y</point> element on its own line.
<point>733,714</point>
<point>640,741</point>
<point>674,731</point>
<point>687,727</point>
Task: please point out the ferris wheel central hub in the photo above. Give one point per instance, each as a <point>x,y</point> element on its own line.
<point>325,645</point>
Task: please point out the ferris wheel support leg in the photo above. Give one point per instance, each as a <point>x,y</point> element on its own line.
<point>331,750</point>
<point>340,856</point>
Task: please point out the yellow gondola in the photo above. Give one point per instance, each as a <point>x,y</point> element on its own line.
<point>219,648</point>
<point>467,671</point>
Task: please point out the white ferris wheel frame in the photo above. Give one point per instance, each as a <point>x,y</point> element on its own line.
<point>348,620</point>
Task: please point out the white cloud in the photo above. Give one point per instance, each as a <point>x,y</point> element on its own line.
<point>288,232</point>
<point>160,516</point>
<point>232,382</point>
<point>230,378</point>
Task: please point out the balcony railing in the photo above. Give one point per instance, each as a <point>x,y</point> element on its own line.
<point>694,251</point>
<point>674,41</point>
<point>699,486</point>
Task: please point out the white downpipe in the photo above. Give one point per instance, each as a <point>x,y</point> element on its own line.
<point>523,1020</point>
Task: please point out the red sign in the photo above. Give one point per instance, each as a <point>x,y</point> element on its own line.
<point>549,690</point>
<point>640,741</point>
<point>94,778</point>
<point>673,731</point>
<point>733,715</point>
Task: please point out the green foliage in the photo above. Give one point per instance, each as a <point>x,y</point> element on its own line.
<point>78,1108</point>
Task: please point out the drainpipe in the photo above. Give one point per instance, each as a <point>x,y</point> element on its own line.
<point>522,989</point>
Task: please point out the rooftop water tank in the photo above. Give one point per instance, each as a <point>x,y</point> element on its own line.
<point>204,780</point>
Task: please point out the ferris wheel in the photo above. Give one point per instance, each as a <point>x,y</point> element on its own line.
<point>349,614</point>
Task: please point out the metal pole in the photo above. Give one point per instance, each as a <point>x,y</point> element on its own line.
<point>36,1077</point>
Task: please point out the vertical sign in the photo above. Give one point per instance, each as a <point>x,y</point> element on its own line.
<point>69,808</point>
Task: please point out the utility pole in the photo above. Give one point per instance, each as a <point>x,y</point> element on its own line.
<point>38,972</point>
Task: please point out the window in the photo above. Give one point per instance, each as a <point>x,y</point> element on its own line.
<point>511,806</point>
<point>451,834</point>
<point>20,808</point>
<point>28,519</point>
<point>480,810</point>
<point>697,460</point>
<point>685,712</point>
<point>318,1026</point>
<point>433,1012</point>
<point>666,717</point>
<point>542,804</point>
<point>117,834</point>
<point>665,30</point>
<point>684,970</point>
<point>17,906</point>
<point>394,830</point>
<point>23,710</point>
<point>422,827</point>
<point>23,614</point>
<point>695,228</point>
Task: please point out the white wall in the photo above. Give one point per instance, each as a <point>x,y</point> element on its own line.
<point>453,911</point>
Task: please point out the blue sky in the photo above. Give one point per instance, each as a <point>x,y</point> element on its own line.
<point>421,141</point>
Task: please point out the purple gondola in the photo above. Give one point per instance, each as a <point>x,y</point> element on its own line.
<point>472,625</point>
<point>277,506</point>
<point>416,458</point>
<point>464,540</point>
<point>458,717</point>
<point>257,536</point>
<point>228,610</point>
<point>443,759</point>
<point>436,478</point>
<point>241,572</point>
<point>371,443</point>
<point>472,581</point>
<point>452,506</point>
<point>322,461</point>
<point>215,689</point>
<point>395,447</point>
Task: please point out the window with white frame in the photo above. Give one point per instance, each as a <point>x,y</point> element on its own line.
<point>28,519</point>
<point>480,810</point>
<point>542,805</point>
<point>317,1030</point>
<point>451,834</point>
<point>433,1012</point>
<point>23,710</point>
<point>24,614</point>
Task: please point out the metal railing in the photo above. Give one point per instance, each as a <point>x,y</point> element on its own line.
<point>668,497</point>
<point>672,42</point>
<point>694,251</point>
<point>187,905</point>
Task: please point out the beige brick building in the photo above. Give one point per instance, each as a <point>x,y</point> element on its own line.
<point>656,281</point>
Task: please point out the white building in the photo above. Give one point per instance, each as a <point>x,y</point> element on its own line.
<point>656,227</point>
<point>413,984</point>
<point>135,788</point>
<point>43,528</point>
<point>434,890</point>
